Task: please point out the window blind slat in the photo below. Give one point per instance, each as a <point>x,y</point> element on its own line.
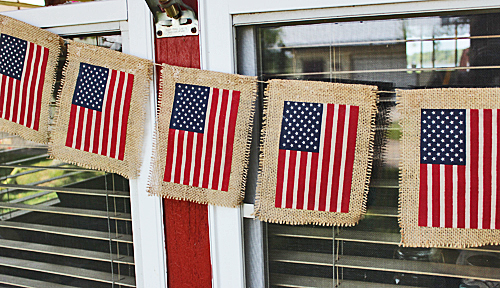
<point>28,283</point>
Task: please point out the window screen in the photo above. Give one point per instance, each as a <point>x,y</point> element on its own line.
<point>420,52</point>
<point>61,225</point>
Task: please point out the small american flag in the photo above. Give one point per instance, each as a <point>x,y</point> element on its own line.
<point>100,110</point>
<point>316,156</point>
<point>201,135</point>
<point>22,69</point>
<point>459,172</point>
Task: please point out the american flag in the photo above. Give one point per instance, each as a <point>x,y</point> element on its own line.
<point>22,69</point>
<point>100,110</point>
<point>316,156</point>
<point>459,172</point>
<point>201,135</point>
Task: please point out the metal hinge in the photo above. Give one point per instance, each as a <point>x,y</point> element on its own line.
<point>173,18</point>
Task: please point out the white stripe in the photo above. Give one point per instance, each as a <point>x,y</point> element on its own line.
<point>429,195</point>
<point>494,155</point>
<point>92,131</point>
<point>83,128</point>
<point>77,128</point>
<point>5,95</point>
<point>214,140</point>
<point>308,177</point>
<point>23,75</point>
<point>112,114</point>
<point>320,157</point>
<point>224,139</point>
<point>334,124</point>
<point>184,155</point>
<point>203,152</point>
<point>193,159</point>
<point>37,82</point>
<point>342,159</point>
<point>103,114</point>
<point>28,90</point>
<point>285,179</point>
<point>296,180</point>
<point>174,158</point>
<point>11,96</point>
<point>120,117</point>
<point>467,169</point>
<point>442,189</point>
<point>480,170</point>
<point>454,182</point>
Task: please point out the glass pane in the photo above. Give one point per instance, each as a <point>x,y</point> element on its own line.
<point>422,52</point>
<point>59,223</point>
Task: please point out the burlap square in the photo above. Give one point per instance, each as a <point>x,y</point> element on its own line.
<point>277,93</point>
<point>142,71</point>
<point>410,104</point>
<point>16,123</point>
<point>171,78</point>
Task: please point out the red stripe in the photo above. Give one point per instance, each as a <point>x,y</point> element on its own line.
<point>17,99</point>
<point>220,139</point>
<point>170,155</point>
<point>88,129</point>
<point>97,131</point>
<point>312,182</point>
<point>349,158</point>
<point>422,199</point>
<point>189,155</point>
<point>292,162</point>
<point>125,113</point>
<point>106,111</point>
<point>326,155</point>
<point>448,196</point>
<point>41,79</point>
<point>27,86</point>
<point>337,158</point>
<point>436,193</point>
<point>281,177</point>
<point>2,96</point>
<point>197,163</point>
<point>302,179</point>
<point>71,126</point>
<point>230,140</point>
<point>474,150</point>
<point>33,91</point>
<point>461,195</point>
<point>116,115</point>
<point>178,157</point>
<point>79,128</point>
<point>487,168</point>
<point>9,98</point>
<point>210,137</point>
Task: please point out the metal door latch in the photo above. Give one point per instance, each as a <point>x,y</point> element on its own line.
<point>173,18</point>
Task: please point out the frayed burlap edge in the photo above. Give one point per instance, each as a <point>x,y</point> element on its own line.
<point>170,75</point>
<point>54,43</point>
<point>279,91</point>
<point>142,70</point>
<point>409,104</point>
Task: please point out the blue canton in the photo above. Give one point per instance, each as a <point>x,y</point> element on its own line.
<point>12,55</point>
<point>90,86</point>
<point>190,108</point>
<point>442,137</point>
<point>301,126</point>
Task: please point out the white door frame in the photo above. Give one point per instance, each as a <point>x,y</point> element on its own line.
<point>133,19</point>
<point>218,19</point>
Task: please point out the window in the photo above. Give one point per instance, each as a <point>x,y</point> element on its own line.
<point>399,53</point>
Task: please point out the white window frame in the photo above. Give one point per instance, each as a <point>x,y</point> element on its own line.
<point>133,19</point>
<point>217,19</point>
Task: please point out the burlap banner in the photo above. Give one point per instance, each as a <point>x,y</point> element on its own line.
<point>203,136</point>
<point>28,64</point>
<point>316,152</point>
<point>101,110</point>
<point>449,193</point>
